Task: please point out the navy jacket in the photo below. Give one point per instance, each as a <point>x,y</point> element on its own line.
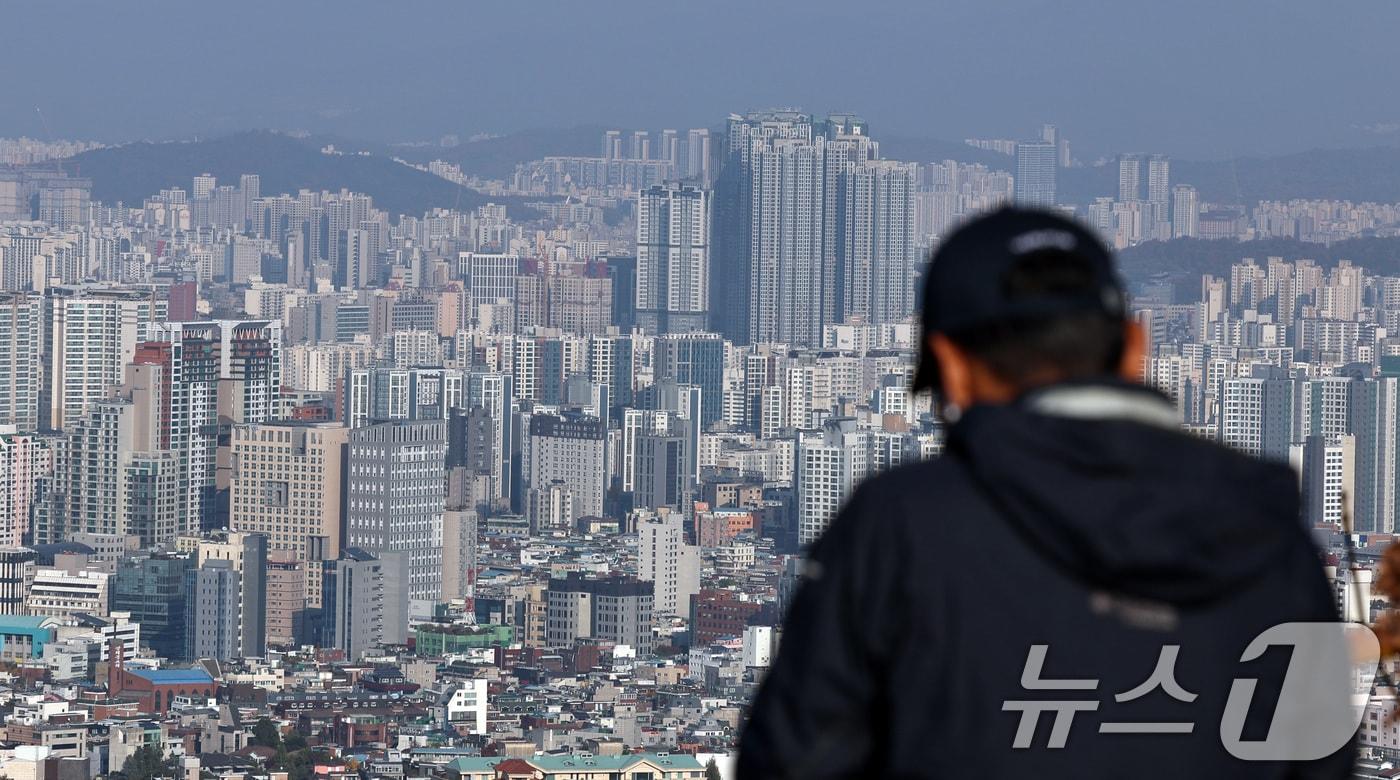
<point>1102,538</point>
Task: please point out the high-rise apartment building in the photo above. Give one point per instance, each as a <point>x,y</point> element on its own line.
<point>25,459</point>
<point>187,395</point>
<point>92,334</point>
<point>1374,412</point>
<point>639,146</point>
<point>1158,178</point>
<point>21,359</point>
<point>65,201</point>
<point>1158,213</point>
<point>117,474</point>
<point>1328,465</point>
<point>1037,167</point>
<point>697,157</point>
<point>1258,416</point>
<point>1129,178</point>
<point>830,463</point>
<point>231,369</point>
<point>612,145</point>
<point>772,169</point>
<point>811,229</point>
<point>1186,211</point>
<point>673,259</point>
<point>874,241</point>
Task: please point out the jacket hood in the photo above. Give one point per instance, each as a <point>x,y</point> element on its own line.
<point>1098,477</point>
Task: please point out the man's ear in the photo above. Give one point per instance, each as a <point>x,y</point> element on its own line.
<point>954,373</point>
<point>1133,365</point>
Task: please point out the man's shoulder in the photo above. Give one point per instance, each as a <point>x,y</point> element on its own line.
<point>938,478</point>
<point>926,494</point>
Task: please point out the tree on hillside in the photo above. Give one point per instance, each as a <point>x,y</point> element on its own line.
<point>266,734</point>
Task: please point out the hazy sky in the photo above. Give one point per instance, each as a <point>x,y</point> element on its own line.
<point>1196,78</point>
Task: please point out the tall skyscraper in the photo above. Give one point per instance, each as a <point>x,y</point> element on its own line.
<point>673,259</point>
<point>204,185</point>
<point>286,485</point>
<point>1374,409</point>
<point>395,498</point>
<point>1037,166</point>
<point>1258,416</point>
<point>494,394</point>
<point>1051,134</point>
<point>1329,472</point>
<point>188,355</point>
<point>785,260</point>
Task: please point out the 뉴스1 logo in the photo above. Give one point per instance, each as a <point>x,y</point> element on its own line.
<point>1315,715</point>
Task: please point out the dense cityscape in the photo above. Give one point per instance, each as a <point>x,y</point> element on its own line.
<point>292,484</point>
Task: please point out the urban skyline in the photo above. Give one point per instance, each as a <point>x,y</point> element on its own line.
<point>380,457</point>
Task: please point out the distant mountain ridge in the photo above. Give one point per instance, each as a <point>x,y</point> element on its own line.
<point>496,158</point>
<point>1193,257</point>
<point>132,172</point>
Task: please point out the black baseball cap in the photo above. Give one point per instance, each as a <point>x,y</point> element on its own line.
<point>965,284</point>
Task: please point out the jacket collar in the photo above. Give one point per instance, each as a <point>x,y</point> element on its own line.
<point>1103,400</point>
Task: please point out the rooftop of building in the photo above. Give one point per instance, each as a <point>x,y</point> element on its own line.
<point>27,622</point>
<point>173,676</point>
<point>586,762</point>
